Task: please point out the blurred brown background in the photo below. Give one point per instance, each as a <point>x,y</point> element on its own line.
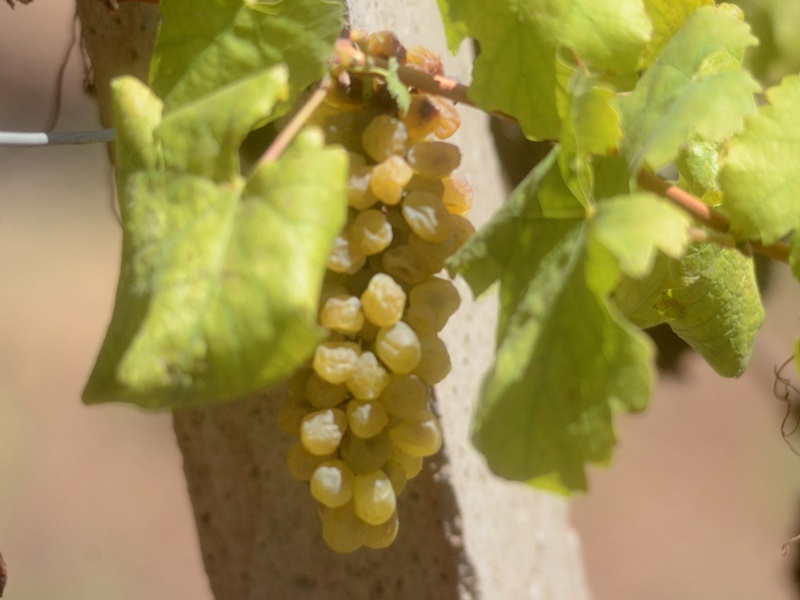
<point>699,500</point>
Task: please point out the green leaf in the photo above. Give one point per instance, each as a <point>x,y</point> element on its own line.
<point>713,303</point>
<point>794,256</point>
<point>397,88</point>
<point>634,227</point>
<point>216,42</point>
<point>759,174</point>
<point>455,31</point>
<point>565,360</point>
<point>696,89</point>
<point>668,16</point>
<point>137,113</point>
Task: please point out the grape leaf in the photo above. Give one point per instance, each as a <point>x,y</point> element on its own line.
<point>759,174</point>
<point>219,279</point>
<point>216,42</point>
<point>667,17</point>
<point>564,359</point>
<point>713,303</point>
<point>635,227</point>
<point>695,89</point>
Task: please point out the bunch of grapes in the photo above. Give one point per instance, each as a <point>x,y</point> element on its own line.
<point>361,408</point>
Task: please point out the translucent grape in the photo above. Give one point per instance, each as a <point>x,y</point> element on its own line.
<point>334,361</point>
<point>383,301</point>
<point>397,476</point>
<point>435,362</point>
<point>365,455</point>
<point>383,137</point>
<point>359,194</point>
<point>431,304</point>
<point>366,418</point>
<point>382,536</point>
<point>434,159</point>
<point>373,497</point>
<point>302,463</point>
<point>449,121</point>
<point>389,178</point>
<point>417,437</point>
<point>368,379</point>
<point>322,431</point>
<point>398,347</point>
<point>458,195</point>
<point>332,483</point>
<point>422,117</point>
<point>342,530</point>
<point>342,313</point>
<point>412,465</point>
<point>371,232</point>
<point>405,397</point>
<point>322,394</point>
<point>427,216</point>
<point>345,257</point>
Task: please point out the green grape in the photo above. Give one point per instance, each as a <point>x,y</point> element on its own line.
<point>389,178</point>
<point>412,465</point>
<point>371,232</point>
<point>434,365</point>
<point>322,394</point>
<point>397,476</point>
<point>383,301</point>
<point>383,137</point>
<point>418,437</point>
<point>334,361</point>
<point>368,378</point>
<point>398,347</point>
<point>427,216</point>
<point>431,304</point>
<point>382,536</point>
<point>322,431</point>
<point>405,397</point>
<point>342,313</point>
<point>332,483</point>
<point>366,418</point>
<point>302,463</point>
<point>345,257</point>
<point>373,497</point>
<point>342,530</point>
<point>457,195</point>
<point>365,455</point>
<point>434,159</point>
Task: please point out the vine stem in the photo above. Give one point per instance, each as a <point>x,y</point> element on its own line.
<point>296,123</point>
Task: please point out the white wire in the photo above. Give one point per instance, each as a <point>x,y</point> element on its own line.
<point>13,138</point>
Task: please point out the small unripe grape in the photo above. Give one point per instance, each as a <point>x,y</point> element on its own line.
<point>373,497</point>
<point>427,216</point>
<point>398,347</point>
<point>435,362</point>
<point>434,159</point>
<point>366,418</point>
<point>408,264</point>
<point>383,301</point>
<point>418,437</point>
<point>383,137</point>
<point>342,530</point>
<point>302,463</point>
<point>322,394</point>
<point>322,431</point>
<point>334,361</point>
<point>371,232</point>
<point>332,483</point>
<point>458,194</point>
<point>382,536</point>
<point>405,397</point>
<point>345,257</point>
<point>365,455</point>
<point>342,313</point>
<point>389,178</point>
<point>431,304</point>
<point>368,379</point>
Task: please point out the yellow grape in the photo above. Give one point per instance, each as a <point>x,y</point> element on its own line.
<point>342,530</point>
<point>342,313</point>
<point>322,394</point>
<point>383,137</point>
<point>389,178</point>
<point>435,362</point>
<point>302,463</point>
<point>345,257</point>
<point>322,431</point>
<point>334,361</point>
<point>373,497</point>
<point>332,483</point>
<point>366,418</point>
<point>371,232</point>
<point>405,397</point>
<point>398,347</point>
<point>434,159</point>
<point>383,301</point>
<point>368,378</point>
<point>417,437</point>
<point>382,536</point>
<point>457,195</point>
<point>427,216</point>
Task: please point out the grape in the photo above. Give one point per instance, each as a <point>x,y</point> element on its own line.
<point>321,431</point>
<point>302,463</point>
<point>398,347</point>
<point>383,300</point>
<point>422,118</point>
<point>449,121</point>
<point>400,229</point>
<point>424,59</point>
<point>412,465</point>
<point>396,474</point>
<point>334,361</point>
<point>342,530</point>
<point>366,418</point>
<point>383,137</point>
<point>368,379</point>
<point>365,455</point>
<point>359,194</point>
<point>322,394</point>
<point>457,195</point>
<point>419,183</point>
<point>371,232</point>
<point>418,437</point>
<point>431,304</point>
<point>342,313</point>
<point>435,362</point>
<point>434,159</point>
<point>408,264</point>
<point>345,257</point>
<point>405,397</point>
<point>389,178</point>
<point>427,216</point>
<point>373,497</point>
<point>295,408</point>
<point>382,536</point>
<point>384,44</point>
<point>332,483</point>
